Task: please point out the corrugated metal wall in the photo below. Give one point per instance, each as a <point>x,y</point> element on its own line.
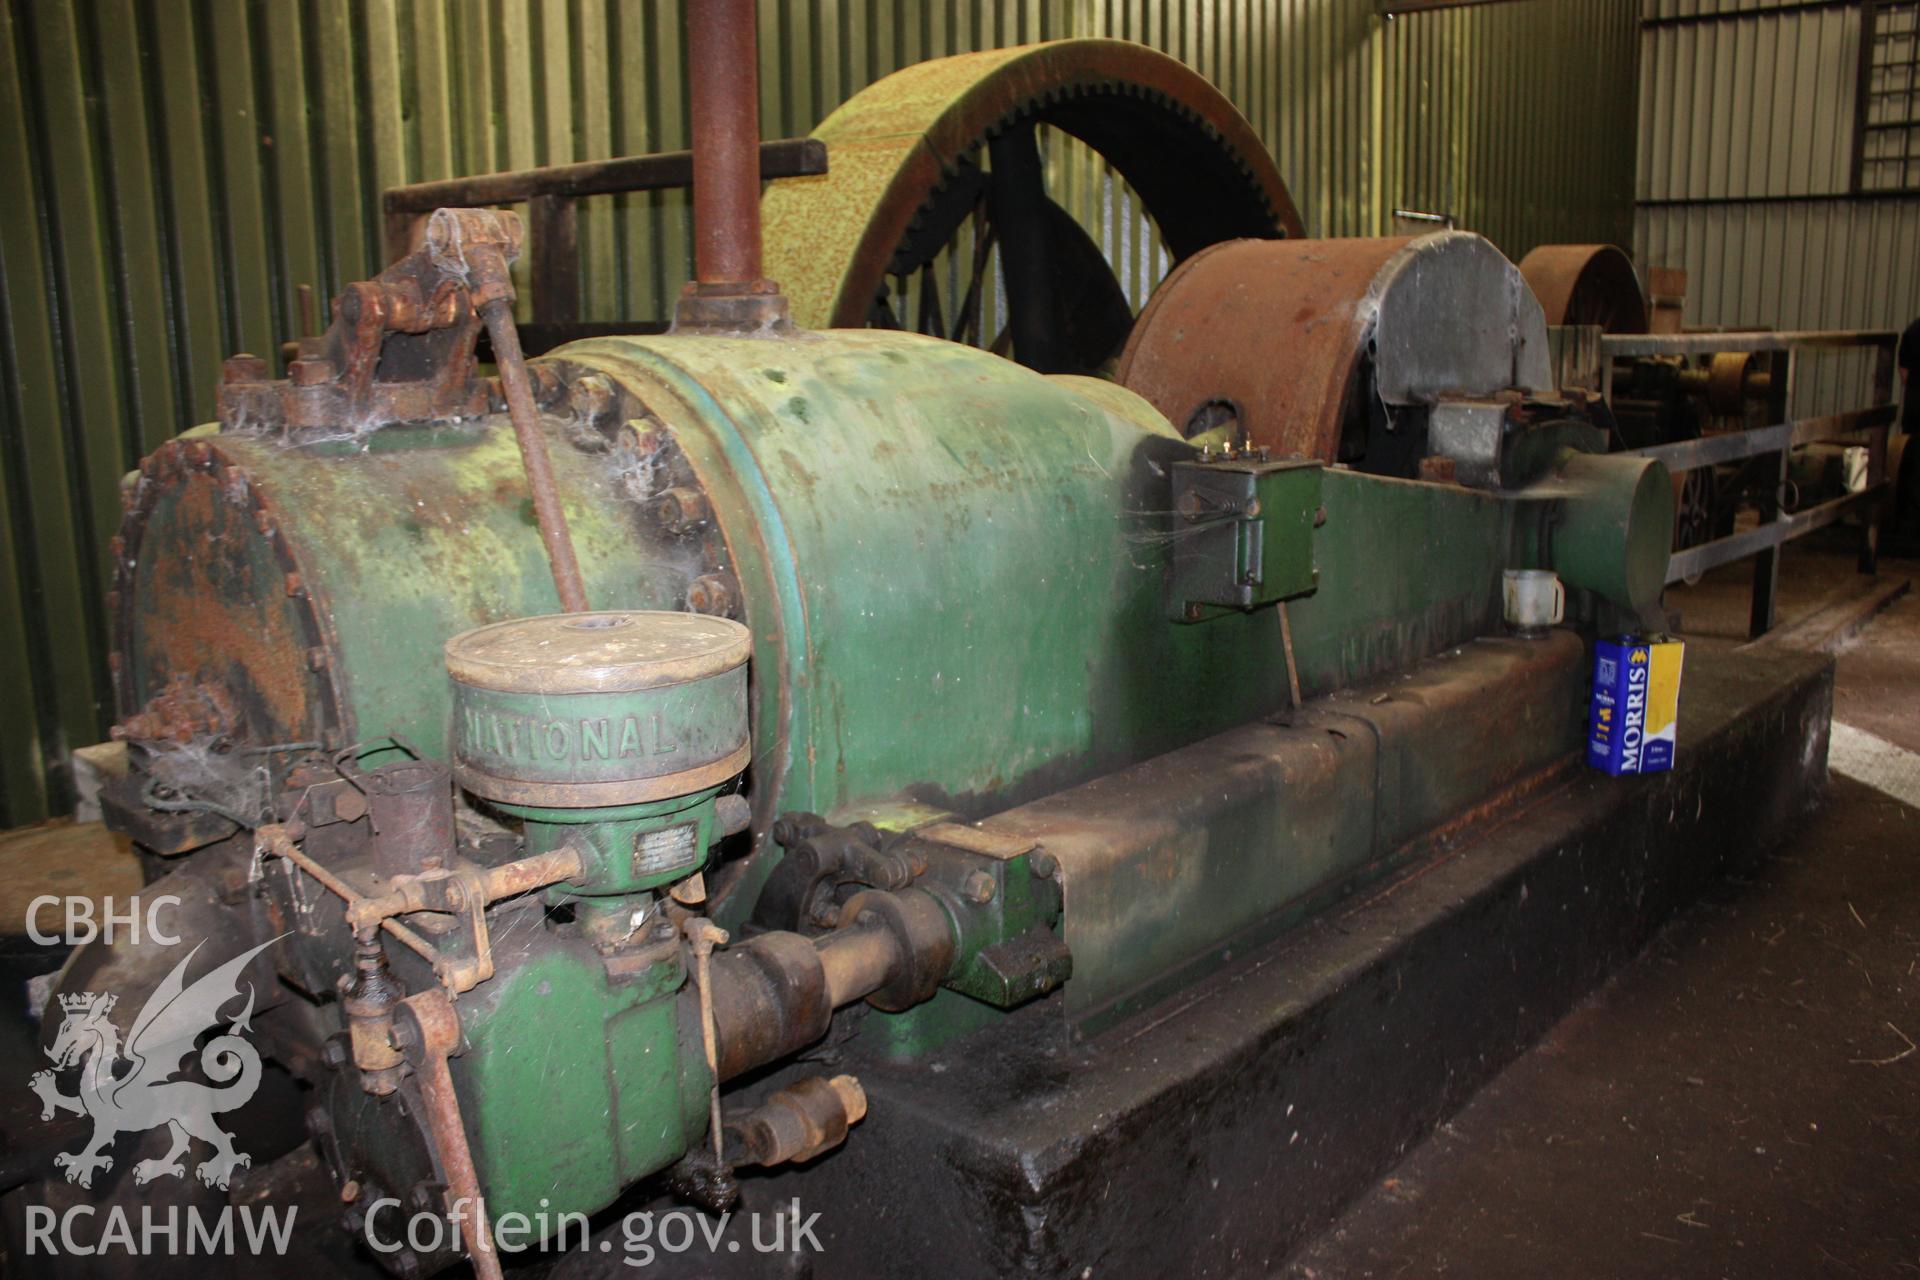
<point>174,169</point>
<point>1746,147</point>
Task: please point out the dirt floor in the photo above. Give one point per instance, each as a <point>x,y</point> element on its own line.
<point>1742,1101</point>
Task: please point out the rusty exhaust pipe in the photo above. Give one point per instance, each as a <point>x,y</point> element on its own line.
<point>728,292</point>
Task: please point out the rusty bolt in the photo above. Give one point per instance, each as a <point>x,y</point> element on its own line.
<point>1043,863</point>
<point>333,1053</point>
<point>295,587</point>
<point>350,1191</point>
<point>713,593</point>
<point>978,888</point>
<point>591,398</point>
<point>350,806</point>
<point>310,373</point>
<point>649,434</point>
<point>244,368</point>
<point>548,388</point>
<point>679,509</point>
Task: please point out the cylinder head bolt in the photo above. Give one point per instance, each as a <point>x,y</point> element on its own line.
<point>615,730</point>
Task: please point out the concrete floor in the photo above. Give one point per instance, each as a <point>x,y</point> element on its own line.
<point>1744,1100</point>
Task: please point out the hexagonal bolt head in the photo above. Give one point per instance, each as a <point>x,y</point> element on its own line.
<point>713,593</point>
<point>978,888</point>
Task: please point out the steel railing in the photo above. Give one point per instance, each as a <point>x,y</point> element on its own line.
<point>1868,426</point>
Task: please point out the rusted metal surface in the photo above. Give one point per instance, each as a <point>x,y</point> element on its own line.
<point>368,1005</point>
<point>729,292</point>
<point>430,1034</point>
<point>220,604</point>
<point>1196,163</point>
<point>283,842</point>
<point>776,993</point>
<point>1586,284</point>
<point>857,961</point>
<point>1272,336</point>
<point>769,1000</point>
<point>400,349</point>
<point>801,1121</point>
<point>183,710</point>
<point>466,887</point>
<point>554,534</point>
<point>407,206</point>
<point>411,806</point>
<point>703,935</point>
<point>478,246</point>
<point>1272,333</point>
<point>552,195</point>
<point>724,61</point>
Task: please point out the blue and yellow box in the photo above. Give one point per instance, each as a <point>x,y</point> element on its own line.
<point>1632,723</point>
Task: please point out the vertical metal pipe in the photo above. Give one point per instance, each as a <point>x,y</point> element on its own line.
<point>438,1030</point>
<point>724,68</point>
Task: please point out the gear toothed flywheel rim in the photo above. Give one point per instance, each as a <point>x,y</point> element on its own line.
<point>944,150</point>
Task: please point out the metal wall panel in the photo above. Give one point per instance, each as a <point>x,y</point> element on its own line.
<point>175,170</point>
<point>1746,145</point>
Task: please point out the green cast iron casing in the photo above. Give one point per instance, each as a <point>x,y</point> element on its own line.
<point>575,1083</point>
<point>1614,533</point>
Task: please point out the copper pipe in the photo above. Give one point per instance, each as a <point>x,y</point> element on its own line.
<point>439,1035</point>
<point>547,512</point>
<point>723,59</point>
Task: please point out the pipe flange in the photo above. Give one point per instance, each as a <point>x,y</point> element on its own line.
<point>924,935</point>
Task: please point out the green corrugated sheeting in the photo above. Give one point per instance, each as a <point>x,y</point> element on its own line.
<point>174,170</point>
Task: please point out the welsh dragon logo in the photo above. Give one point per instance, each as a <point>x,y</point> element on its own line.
<point>142,1095</point>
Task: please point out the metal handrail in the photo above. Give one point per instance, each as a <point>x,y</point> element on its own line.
<point>1874,422</point>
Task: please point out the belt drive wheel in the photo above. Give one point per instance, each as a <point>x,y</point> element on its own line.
<point>937,174</point>
<point>1586,284</point>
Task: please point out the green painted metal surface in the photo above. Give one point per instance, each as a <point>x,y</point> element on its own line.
<point>422,535</point>
<point>556,1046</point>
<point>953,569</point>
<point>961,567</point>
<point>173,174</point>
<point>1177,865</point>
